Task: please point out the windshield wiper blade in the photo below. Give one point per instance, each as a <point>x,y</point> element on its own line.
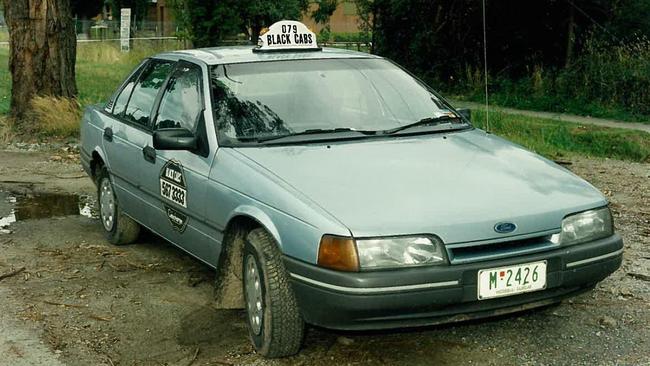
<point>422,122</point>
<point>315,131</point>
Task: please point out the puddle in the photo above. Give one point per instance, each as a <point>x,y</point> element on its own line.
<point>46,205</point>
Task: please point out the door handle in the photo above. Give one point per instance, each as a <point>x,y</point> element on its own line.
<point>149,154</point>
<point>108,134</point>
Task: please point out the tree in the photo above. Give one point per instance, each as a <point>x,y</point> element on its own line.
<point>257,14</point>
<point>207,22</point>
<point>43,47</point>
<point>322,14</point>
<point>443,39</point>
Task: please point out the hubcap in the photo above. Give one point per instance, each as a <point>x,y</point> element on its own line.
<point>107,204</point>
<point>253,287</point>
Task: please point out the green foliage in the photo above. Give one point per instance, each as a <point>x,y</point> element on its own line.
<point>257,14</point>
<point>606,81</point>
<point>541,54</point>
<point>629,19</point>
<point>208,22</point>
<point>324,10</point>
<point>555,139</point>
<point>350,37</point>
<point>5,81</point>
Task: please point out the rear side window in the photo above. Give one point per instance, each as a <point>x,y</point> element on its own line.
<point>181,104</point>
<point>120,103</point>
<point>145,91</point>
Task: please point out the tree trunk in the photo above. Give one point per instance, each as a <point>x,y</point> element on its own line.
<point>43,47</point>
<point>570,38</point>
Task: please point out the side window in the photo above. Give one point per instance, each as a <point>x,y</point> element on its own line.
<point>123,98</point>
<point>145,92</point>
<point>119,105</point>
<point>181,104</point>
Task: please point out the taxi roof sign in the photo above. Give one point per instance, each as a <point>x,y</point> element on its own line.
<point>287,35</point>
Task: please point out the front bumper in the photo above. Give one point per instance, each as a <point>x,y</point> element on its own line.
<point>434,295</point>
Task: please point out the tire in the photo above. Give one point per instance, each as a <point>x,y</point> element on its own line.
<point>119,228</point>
<point>277,329</point>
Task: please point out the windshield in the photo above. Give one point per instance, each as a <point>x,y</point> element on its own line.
<point>268,99</point>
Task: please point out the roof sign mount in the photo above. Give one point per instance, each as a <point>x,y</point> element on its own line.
<point>287,35</point>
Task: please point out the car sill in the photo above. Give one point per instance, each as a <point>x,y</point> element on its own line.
<point>594,259</point>
<point>374,290</point>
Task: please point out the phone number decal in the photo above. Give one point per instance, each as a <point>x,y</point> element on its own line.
<point>174,193</point>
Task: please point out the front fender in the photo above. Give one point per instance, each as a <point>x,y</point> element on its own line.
<point>258,215</point>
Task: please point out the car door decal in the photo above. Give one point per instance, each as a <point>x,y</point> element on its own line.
<point>172,183</point>
<point>177,219</point>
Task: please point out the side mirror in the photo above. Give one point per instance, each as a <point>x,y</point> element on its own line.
<point>465,112</point>
<point>174,139</point>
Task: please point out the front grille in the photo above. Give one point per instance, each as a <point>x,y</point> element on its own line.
<point>464,253</point>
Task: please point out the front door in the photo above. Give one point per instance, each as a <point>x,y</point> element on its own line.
<point>177,180</point>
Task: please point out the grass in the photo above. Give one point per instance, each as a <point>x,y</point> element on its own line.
<point>6,131</point>
<point>521,99</point>
<point>5,80</point>
<point>56,116</point>
<point>555,139</point>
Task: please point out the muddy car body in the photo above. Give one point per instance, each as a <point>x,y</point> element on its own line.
<point>302,172</point>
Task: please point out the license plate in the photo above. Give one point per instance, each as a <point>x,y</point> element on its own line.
<point>511,280</point>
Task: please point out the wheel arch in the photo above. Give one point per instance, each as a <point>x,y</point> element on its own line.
<point>97,160</point>
<point>228,291</point>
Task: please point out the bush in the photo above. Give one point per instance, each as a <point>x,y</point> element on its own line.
<point>55,117</point>
<point>606,81</point>
<point>6,130</point>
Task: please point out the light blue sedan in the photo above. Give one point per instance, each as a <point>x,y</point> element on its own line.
<point>333,188</point>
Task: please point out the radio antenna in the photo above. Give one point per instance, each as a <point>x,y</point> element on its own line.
<point>485,71</point>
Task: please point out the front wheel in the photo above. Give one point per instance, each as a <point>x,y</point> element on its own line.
<point>119,228</point>
<point>274,321</point>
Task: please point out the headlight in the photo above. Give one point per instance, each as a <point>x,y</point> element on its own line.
<point>585,226</point>
<point>399,252</point>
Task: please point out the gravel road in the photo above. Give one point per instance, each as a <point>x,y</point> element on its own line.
<point>81,301</point>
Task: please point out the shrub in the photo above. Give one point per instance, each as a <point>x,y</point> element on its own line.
<point>606,81</point>
<point>55,116</point>
<point>6,130</point>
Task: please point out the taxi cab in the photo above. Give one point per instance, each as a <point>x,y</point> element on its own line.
<point>333,188</point>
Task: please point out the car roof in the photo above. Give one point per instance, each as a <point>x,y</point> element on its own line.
<point>243,54</point>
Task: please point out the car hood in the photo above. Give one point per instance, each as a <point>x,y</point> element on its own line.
<point>457,186</point>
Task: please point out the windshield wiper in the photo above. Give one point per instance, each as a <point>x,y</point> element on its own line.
<point>422,122</point>
<point>315,131</point>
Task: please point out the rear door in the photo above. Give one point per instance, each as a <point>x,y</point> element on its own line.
<point>128,133</point>
<point>176,183</point>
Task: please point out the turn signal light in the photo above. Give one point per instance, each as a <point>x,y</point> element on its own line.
<point>339,253</point>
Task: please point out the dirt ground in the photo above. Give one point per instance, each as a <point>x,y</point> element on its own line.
<point>81,301</point>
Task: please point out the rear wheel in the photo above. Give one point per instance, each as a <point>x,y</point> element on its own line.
<point>119,228</point>
<point>274,321</point>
